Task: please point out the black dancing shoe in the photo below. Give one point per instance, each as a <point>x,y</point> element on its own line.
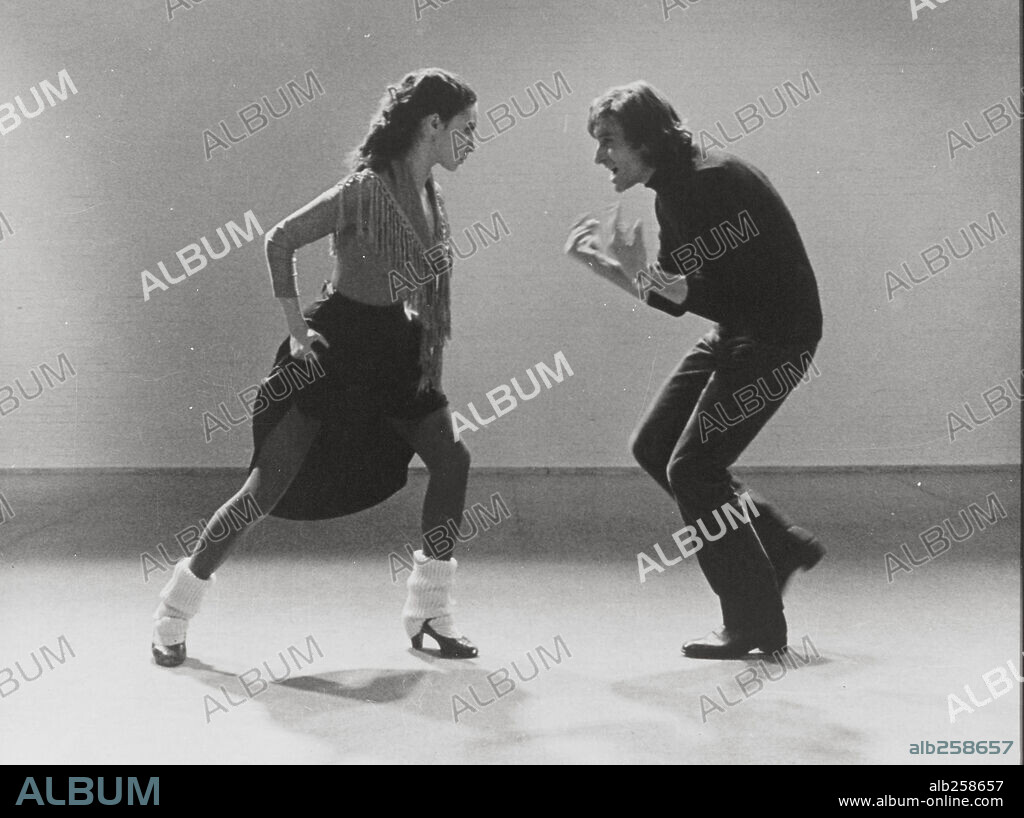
<point>169,655</point>
<point>734,644</point>
<point>450,647</point>
<point>806,553</point>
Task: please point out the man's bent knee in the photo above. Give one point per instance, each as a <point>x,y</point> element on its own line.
<point>643,446</point>
<point>691,479</point>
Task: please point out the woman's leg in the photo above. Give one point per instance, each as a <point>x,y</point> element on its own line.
<point>429,605</point>
<point>447,462</point>
<point>278,463</point>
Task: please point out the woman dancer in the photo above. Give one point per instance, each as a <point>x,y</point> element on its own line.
<point>335,434</point>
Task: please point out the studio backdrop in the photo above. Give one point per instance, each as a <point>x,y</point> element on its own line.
<point>146,147</point>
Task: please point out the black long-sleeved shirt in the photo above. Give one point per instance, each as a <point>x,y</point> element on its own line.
<point>725,227</point>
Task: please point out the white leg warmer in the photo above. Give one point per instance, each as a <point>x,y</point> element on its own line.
<point>430,596</point>
<point>180,600</point>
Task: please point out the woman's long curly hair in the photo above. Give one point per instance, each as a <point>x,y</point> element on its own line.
<point>394,127</point>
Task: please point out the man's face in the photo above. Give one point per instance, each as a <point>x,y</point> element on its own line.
<point>613,152</point>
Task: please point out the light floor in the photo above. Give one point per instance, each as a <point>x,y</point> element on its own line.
<point>613,688</point>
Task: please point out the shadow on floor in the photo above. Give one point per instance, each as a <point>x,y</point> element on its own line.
<point>331,705</point>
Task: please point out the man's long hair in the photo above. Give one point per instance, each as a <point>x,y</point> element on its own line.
<point>648,120</point>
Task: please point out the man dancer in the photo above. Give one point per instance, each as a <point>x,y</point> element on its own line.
<point>729,252</point>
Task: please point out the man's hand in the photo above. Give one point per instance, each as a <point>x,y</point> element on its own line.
<point>584,243</point>
<point>627,246</point>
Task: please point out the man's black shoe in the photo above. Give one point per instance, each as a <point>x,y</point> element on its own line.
<point>806,552</point>
<point>733,644</point>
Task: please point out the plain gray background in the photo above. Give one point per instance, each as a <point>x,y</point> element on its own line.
<point>113,180</point>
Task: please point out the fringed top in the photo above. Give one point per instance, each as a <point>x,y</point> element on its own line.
<point>418,273</point>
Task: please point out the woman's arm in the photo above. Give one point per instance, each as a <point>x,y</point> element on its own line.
<point>315,220</point>
<point>293,316</point>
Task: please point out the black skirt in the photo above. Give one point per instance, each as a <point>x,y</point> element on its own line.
<point>370,373</point>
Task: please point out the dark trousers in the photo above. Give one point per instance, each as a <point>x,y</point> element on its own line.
<point>708,411</point>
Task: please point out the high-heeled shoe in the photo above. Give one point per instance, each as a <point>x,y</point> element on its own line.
<point>429,605</point>
<point>450,647</point>
<point>169,655</point>
<point>179,602</point>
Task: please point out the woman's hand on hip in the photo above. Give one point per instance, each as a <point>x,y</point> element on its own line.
<point>308,343</point>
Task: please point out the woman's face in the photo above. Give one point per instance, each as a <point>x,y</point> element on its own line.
<point>455,139</point>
